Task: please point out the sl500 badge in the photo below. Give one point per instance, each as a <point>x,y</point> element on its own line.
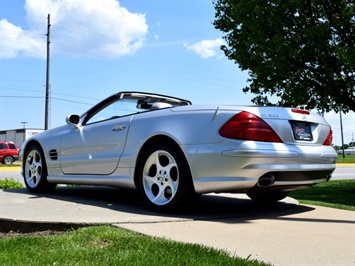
<point>269,115</point>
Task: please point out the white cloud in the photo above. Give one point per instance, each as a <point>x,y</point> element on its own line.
<point>78,28</point>
<point>206,48</point>
<point>15,41</point>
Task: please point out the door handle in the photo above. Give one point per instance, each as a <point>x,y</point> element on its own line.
<point>118,127</point>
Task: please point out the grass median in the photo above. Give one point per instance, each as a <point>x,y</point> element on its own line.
<point>348,159</point>
<point>339,194</point>
<point>106,245</point>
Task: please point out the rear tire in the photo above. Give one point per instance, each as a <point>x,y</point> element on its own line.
<point>35,171</point>
<point>164,179</point>
<point>267,197</point>
<point>8,160</point>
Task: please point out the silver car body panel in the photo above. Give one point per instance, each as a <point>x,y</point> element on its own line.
<point>105,153</point>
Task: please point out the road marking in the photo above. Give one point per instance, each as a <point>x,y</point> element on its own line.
<point>10,169</point>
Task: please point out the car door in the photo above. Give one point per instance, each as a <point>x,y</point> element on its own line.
<point>94,143</point>
<point>94,149</point>
<point>2,151</point>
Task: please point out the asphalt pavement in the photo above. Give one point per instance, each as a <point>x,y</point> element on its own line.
<point>284,233</point>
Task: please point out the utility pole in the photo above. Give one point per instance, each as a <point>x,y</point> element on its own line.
<point>46,112</point>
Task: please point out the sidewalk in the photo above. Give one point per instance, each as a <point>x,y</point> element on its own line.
<point>283,234</point>
<point>304,236</point>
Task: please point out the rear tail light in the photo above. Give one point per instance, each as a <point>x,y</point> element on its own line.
<point>246,126</point>
<point>329,140</point>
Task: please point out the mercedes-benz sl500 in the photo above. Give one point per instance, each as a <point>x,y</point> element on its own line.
<point>172,151</point>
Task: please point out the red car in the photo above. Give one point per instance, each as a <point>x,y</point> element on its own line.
<point>8,152</point>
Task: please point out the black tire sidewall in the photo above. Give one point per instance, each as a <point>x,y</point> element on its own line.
<point>7,156</point>
<point>42,186</point>
<point>184,187</point>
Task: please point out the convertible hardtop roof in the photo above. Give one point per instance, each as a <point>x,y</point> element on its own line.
<point>152,97</point>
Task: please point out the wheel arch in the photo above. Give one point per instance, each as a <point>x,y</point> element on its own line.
<point>28,145</point>
<point>35,172</point>
<point>154,140</point>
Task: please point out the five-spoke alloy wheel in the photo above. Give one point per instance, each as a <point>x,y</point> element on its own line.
<point>35,171</point>
<point>164,178</point>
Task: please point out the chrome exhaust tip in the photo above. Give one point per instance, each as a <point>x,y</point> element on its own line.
<point>328,177</point>
<point>266,181</point>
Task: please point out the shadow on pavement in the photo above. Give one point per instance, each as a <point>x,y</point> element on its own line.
<point>223,208</point>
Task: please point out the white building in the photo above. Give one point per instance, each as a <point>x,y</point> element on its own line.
<point>18,135</point>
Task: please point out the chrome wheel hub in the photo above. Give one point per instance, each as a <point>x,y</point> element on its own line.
<point>160,177</point>
<point>33,168</point>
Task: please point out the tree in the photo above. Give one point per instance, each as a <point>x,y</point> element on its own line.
<point>336,147</point>
<point>345,146</point>
<point>302,51</point>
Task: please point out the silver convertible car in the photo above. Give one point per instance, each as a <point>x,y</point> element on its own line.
<point>172,151</point>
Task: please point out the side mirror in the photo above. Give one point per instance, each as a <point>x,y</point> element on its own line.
<point>72,120</point>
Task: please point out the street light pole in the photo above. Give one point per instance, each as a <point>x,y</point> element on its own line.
<point>342,135</point>
<point>24,124</point>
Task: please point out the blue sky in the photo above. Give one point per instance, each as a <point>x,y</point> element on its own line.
<point>100,47</point>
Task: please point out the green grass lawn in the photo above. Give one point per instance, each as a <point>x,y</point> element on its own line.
<point>347,159</point>
<point>105,245</point>
<point>338,194</point>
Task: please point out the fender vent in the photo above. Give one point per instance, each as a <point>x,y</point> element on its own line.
<point>53,154</point>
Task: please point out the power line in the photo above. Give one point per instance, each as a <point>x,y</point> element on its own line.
<point>13,96</point>
<point>41,97</point>
<point>22,80</point>
<point>52,92</point>
<point>70,101</point>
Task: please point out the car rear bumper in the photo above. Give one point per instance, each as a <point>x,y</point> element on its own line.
<point>240,169</point>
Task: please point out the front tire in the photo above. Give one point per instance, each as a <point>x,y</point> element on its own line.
<point>35,171</point>
<point>164,178</point>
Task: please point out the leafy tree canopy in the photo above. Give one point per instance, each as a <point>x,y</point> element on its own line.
<point>302,51</point>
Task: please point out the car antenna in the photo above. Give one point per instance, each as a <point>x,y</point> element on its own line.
<point>215,114</point>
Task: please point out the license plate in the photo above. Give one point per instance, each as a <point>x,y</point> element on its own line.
<point>301,131</point>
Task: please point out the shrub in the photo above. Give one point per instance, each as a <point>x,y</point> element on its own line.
<point>10,183</point>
